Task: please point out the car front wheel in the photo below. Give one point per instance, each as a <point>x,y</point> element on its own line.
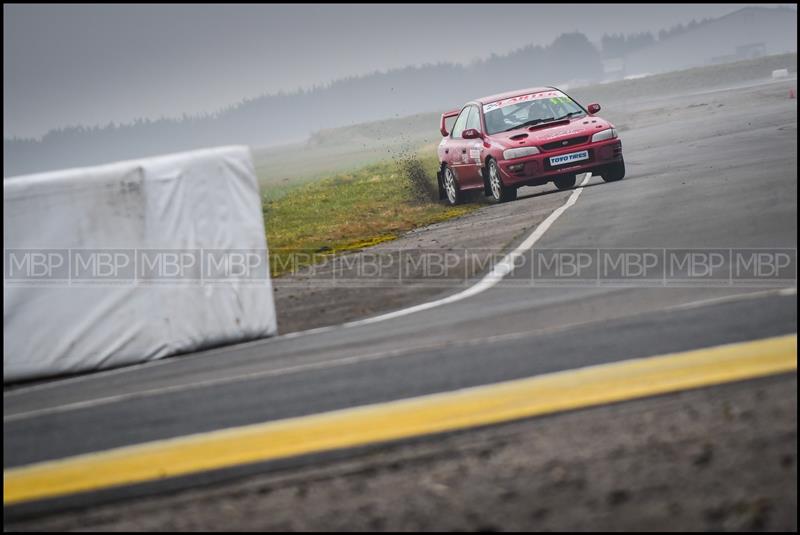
<point>614,171</point>
<point>565,181</point>
<point>500,193</point>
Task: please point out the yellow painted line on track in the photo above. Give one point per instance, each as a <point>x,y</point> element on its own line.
<point>449,411</point>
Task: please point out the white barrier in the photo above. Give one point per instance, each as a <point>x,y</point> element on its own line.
<point>132,261</point>
<point>780,73</point>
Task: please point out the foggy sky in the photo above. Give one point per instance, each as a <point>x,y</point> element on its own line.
<point>92,64</point>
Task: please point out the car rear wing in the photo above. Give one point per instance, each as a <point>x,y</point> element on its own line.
<point>447,115</point>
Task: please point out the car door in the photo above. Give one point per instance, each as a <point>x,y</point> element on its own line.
<point>455,142</point>
<point>464,153</point>
<point>471,152</point>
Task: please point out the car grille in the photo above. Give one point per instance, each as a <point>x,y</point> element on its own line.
<point>565,143</point>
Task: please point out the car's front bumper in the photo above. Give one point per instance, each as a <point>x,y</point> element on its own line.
<point>536,169</point>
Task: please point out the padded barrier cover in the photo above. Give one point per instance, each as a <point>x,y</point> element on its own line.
<point>202,207</point>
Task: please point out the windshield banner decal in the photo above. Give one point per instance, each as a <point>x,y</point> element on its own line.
<point>522,98</point>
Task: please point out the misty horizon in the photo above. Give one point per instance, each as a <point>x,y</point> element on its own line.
<point>571,60</point>
<point>24,107</point>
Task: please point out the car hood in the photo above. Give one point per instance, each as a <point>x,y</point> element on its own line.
<point>523,137</point>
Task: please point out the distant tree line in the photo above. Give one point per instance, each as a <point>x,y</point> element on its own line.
<point>680,28</point>
<point>617,45</point>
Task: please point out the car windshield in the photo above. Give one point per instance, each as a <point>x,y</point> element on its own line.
<point>503,116</point>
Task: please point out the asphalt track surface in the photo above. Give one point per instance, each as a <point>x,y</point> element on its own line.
<point>699,177</point>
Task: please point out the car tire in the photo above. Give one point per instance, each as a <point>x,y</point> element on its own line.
<point>565,181</point>
<point>613,172</point>
<point>452,193</point>
<point>500,192</point>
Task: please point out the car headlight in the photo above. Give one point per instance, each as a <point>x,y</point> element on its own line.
<point>609,133</point>
<point>510,154</point>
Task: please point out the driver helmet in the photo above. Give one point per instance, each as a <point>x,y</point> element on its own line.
<point>538,110</point>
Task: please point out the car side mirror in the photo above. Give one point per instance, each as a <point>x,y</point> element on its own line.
<point>594,108</point>
<point>471,133</point>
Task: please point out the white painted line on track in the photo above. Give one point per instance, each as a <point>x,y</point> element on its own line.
<point>498,273</point>
<point>737,297</point>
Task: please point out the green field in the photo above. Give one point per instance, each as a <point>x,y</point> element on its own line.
<point>344,149</point>
<point>353,210</point>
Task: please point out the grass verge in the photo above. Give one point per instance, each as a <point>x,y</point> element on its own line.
<point>350,211</point>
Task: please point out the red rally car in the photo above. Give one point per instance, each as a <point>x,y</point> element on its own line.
<point>525,138</point>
